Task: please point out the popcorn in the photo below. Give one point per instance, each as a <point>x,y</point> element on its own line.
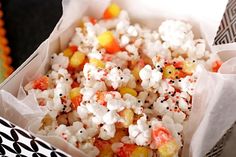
<point>89,149</point>
<point>140,133</point>
<point>124,40</point>
<point>81,134</point>
<point>58,61</point>
<point>132,31</point>
<point>150,78</point>
<point>111,117</point>
<point>107,131</point>
<point>128,117</point>
<point>161,107</point>
<point>96,109</point>
<point>154,48</point>
<point>117,78</point>
<point>82,111</point>
<point>120,89</point>
<point>115,104</point>
<point>175,33</point>
<point>187,85</point>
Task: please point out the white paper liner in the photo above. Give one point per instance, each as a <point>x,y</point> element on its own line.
<point>209,119</point>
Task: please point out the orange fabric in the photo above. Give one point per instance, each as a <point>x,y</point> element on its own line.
<point>5,60</point>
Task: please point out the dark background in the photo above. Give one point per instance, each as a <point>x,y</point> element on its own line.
<point>28,23</point>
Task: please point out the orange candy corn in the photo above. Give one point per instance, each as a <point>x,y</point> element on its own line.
<point>42,83</point>
<point>112,11</point>
<point>108,41</point>
<point>216,65</point>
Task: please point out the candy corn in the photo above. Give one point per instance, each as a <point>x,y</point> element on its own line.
<point>41,83</point>
<point>126,150</point>
<point>104,148</point>
<point>96,62</point>
<point>126,90</point>
<point>74,92</point>
<point>68,52</point>
<point>77,59</point>
<point>216,65</point>
<point>112,11</point>
<point>75,97</point>
<point>108,41</point>
<point>169,149</point>
<point>92,20</point>
<point>118,136</point>
<point>169,71</point>
<point>140,152</point>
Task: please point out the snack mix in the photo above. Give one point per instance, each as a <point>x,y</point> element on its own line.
<point>121,89</point>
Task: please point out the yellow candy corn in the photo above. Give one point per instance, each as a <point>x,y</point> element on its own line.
<point>168,149</point>
<point>126,90</point>
<point>67,52</point>
<point>77,59</point>
<point>107,41</point>
<point>112,11</point>
<point>169,72</point>
<point>140,152</point>
<point>96,62</point>
<point>74,92</point>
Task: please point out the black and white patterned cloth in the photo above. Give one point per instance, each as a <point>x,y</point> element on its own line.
<point>16,142</point>
<point>227,30</point>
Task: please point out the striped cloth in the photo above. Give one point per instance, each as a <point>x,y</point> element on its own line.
<point>5,60</point>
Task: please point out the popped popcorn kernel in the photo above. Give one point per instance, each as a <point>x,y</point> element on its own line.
<point>128,117</point>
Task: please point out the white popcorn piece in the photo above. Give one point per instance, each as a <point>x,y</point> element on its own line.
<point>111,117</point>
<point>89,149</point>
<point>107,131</point>
<point>132,31</point>
<point>150,78</point>
<point>154,48</point>
<point>124,40</point>
<point>115,104</point>
<point>58,61</point>
<point>97,109</point>
<point>161,107</point>
<point>82,134</point>
<point>175,33</point>
<point>117,78</point>
<point>187,85</point>
<point>82,111</point>
<point>140,133</point>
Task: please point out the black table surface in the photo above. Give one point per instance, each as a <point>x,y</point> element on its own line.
<point>28,23</point>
